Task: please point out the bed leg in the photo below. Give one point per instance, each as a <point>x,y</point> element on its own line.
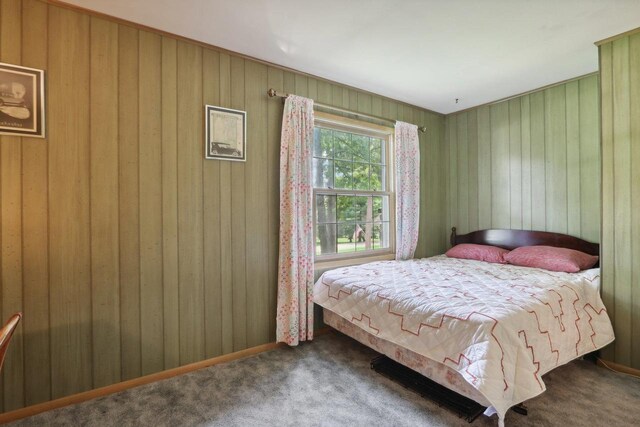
<point>521,409</point>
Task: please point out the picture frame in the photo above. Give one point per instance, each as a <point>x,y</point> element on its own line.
<point>22,101</point>
<point>225,134</point>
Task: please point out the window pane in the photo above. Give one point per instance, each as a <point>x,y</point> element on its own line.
<point>360,146</point>
<point>380,208</point>
<point>380,236</point>
<point>343,175</point>
<point>342,145</point>
<point>363,208</point>
<point>325,239</point>
<point>346,209</point>
<point>325,208</point>
<point>322,142</point>
<point>360,176</point>
<point>365,241</point>
<point>378,178</point>
<point>322,173</point>
<point>346,234</point>
<point>377,150</point>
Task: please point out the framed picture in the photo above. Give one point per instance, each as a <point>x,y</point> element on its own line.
<point>226,134</point>
<point>21,101</point>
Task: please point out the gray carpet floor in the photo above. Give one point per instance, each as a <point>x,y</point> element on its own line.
<point>329,383</point>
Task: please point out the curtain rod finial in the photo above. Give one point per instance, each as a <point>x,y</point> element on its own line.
<point>272,92</point>
<point>422,128</point>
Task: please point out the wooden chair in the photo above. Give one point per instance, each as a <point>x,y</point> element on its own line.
<point>6,333</point>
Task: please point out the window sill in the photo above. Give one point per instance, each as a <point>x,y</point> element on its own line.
<point>322,266</point>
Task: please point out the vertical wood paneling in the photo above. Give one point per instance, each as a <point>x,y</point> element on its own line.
<point>500,163</point>
<point>530,160</point>
<point>463,173</point>
<point>238,209</point>
<point>336,94</point>
<point>105,263</point>
<point>69,217</point>
<point>572,108</point>
<point>435,232</point>
<point>353,98</point>
<point>634,112</point>
<point>525,131</point>
<point>484,168</point>
<point>257,219</point>
<point>190,217</point>
<point>142,255</point>
<point>364,103</point>
<point>11,213</point>
<point>538,163</point>
<point>212,248</point>
<point>590,202</point>
<point>275,79</point>
<point>325,95</point>
<point>37,381</point>
<point>622,199</point>
<point>607,250</point>
<point>170,278</point>
<point>515,163</point>
<point>300,88</point>
<point>226,262</point>
<point>472,135</point>
<point>150,202</point>
<point>312,88</point>
<point>376,106</point>
<point>128,201</point>
<point>556,158</point>
<point>620,94</point>
<point>452,132</point>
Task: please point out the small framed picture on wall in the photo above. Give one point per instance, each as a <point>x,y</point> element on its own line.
<point>22,102</point>
<point>226,134</point>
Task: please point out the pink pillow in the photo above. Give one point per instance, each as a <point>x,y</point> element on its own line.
<point>478,252</point>
<point>551,258</point>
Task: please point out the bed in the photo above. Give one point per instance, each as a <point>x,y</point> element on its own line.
<point>487,331</point>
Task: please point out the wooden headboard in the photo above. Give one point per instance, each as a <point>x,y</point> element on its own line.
<point>511,239</point>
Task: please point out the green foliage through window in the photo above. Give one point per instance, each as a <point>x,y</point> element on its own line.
<point>350,222</point>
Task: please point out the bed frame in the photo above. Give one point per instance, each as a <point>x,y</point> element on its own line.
<point>511,239</point>
<point>504,238</point>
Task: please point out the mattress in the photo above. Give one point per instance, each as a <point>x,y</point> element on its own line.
<point>500,327</point>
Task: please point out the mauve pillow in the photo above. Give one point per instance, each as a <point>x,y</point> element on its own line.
<point>478,252</point>
<point>551,258</point>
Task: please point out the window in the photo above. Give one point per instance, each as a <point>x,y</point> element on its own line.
<point>352,188</point>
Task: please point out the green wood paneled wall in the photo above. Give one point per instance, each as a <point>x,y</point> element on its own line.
<point>531,162</point>
<point>127,251</point>
<point>620,94</point>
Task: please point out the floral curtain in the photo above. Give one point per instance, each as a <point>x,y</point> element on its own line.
<point>295,263</point>
<point>407,162</point>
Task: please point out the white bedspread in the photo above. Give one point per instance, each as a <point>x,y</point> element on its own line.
<point>500,326</point>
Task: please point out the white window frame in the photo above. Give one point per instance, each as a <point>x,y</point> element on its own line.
<point>364,128</point>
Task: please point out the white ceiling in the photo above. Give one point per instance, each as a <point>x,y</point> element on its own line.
<point>426,53</point>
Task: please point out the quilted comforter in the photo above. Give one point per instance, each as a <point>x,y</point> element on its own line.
<point>500,326</point>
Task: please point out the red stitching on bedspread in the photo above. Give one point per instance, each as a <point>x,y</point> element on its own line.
<point>560,301</point>
<point>458,363</point>
<point>533,355</point>
<point>535,314</point>
<point>591,318</point>
<point>341,291</point>
<point>577,315</point>
<point>553,350</point>
<point>362,316</point>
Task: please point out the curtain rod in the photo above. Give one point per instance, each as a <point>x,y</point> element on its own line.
<point>272,93</point>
